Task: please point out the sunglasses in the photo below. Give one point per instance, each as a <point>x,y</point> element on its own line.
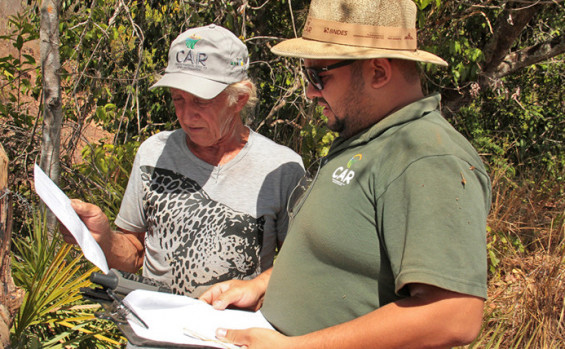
<point>313,73</point>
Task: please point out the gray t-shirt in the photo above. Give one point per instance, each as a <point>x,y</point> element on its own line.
<point>205,224</point>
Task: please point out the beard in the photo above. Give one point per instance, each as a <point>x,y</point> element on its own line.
<point>351,119</point>
<point>338,125</point>
<point>351,115</point>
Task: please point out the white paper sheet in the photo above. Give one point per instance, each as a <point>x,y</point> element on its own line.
<point>169,317</point>
<point>60,205</point>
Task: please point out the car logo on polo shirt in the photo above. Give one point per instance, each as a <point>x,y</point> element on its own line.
<point>343,175</point>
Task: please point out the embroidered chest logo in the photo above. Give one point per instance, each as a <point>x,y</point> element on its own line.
<point>343,175</point>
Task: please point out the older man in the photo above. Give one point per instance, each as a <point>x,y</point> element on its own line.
<point>207,202</point>
<point>387,247</point>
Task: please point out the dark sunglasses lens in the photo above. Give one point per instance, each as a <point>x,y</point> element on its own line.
<point>313,78</point>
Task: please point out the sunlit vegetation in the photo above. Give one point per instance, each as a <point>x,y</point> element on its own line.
<point>111,52</point>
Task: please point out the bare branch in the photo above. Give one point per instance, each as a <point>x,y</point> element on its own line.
<point>292,18</point>
<point>508,28</point>
<point>263,38</point>
<point>538,2</point>
<point>530,55</point>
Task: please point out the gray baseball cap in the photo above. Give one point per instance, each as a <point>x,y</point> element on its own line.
<point>204,61</point>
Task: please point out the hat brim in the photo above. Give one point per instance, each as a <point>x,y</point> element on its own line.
<point>198,86</point>
<point>312,49</point>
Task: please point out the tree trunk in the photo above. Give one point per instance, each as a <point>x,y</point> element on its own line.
<point>10,297</point>
<point>52,115</point>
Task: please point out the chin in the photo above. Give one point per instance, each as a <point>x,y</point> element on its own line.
<point>337,126</point>
<point>201,141</point>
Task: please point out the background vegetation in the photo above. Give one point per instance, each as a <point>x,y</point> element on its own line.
<point>503,90</point>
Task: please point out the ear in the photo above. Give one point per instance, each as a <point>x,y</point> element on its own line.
<point>380,72</point>
<point>242,99</point>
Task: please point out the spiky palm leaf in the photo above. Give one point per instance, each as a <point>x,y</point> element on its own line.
<point>52,274</point>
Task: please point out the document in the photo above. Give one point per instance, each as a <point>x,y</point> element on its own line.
<point>60,205</point>
<point>183,320</point>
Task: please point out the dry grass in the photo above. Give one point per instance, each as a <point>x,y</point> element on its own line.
<point>526,305</point>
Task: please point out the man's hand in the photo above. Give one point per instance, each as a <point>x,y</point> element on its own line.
<point>94,219</point>
<point>255,338</point>
<point>238,293</point>
<point>245,294</point>
<point>124,250</point>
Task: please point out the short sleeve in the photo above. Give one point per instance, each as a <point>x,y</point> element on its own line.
<point>131,216</point>
<point>434,225</point>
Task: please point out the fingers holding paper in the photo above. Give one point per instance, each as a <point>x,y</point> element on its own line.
<point>255,338</point>
<point>123,250</point>
<point>92,216</point>
<point>67,236</point>
<point>94,219</point>
<point>245,294</point>
<point>237,293</point>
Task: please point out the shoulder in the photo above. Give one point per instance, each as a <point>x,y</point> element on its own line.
<point>268,149</point>
<point>160,139</point>
<point>426,140</point>
<point>431,135</point>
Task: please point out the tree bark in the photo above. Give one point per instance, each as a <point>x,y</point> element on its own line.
<point>11,297</point>
<point>52,115</point>
<point>508,28</point>
<point>500,60</point>
<point>517,60</point>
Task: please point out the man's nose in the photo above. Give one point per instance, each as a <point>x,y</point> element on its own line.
<point>312,92</point>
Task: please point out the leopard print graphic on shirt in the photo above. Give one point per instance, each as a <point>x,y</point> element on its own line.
<point>203,240</point>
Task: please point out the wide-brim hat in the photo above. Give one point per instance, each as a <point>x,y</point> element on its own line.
<point>358,29</point>
<point>204,61</point>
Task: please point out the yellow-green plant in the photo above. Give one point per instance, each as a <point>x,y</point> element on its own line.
<point>53,315</point>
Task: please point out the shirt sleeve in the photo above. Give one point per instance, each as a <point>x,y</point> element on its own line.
<point>434,225</point>
<point>132,216</point>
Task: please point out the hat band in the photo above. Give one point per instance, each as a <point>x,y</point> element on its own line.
<point>395,38</point>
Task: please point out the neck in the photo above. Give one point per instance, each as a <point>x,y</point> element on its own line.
<point>392,100</point>
<point>225,149</point>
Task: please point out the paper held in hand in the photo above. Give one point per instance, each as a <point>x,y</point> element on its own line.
<point>60,205</point>
<point>183,320</point>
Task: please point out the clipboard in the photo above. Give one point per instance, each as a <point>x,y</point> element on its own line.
<point>186,320</point>
<point>112,313</point>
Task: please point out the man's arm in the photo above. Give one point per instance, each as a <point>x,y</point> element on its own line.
<point>124,250</point>
<point>431,317</point>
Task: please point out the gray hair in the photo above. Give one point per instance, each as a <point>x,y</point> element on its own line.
<point>246,87</point>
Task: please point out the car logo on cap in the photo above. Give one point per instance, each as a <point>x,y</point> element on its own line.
<point>191,41</point>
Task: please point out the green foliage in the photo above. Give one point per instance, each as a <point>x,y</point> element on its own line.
<point>501,244</point>
<point>20,91</point>
<point>15,72</point>
<point>316,139</point>
<point>112,52</point>
<point>51,274</point>
<point>120,58</point>
<point>106,169</point>
<point>519,120</point>
<point>519,126</point>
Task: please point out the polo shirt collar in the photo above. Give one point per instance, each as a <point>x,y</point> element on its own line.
<point>408,113</point>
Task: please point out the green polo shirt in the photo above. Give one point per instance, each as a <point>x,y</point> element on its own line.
<point>403,202</point>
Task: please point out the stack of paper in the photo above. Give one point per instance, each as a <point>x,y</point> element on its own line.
<point>183,320</point>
